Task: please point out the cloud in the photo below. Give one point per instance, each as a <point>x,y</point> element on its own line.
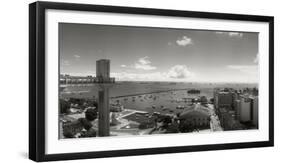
<point>231,34</point>
<point>256,59</point>
<point>77,56</point>
<point>144,60</point>
<point>144,64</point>
<point>184,41</point>
<point>127,76</point>
<point>175,73</point>
<point>179,72</point>
<point>249,69</point>
<point>144,67</point>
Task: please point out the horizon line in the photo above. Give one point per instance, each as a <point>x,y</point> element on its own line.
<point>154,81</point>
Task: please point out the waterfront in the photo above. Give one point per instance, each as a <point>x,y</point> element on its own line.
<point>136,95</point>
<point>143,103</point>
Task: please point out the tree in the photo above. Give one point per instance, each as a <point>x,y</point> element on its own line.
<point>91,114</point>
<point>67,133</point>
<point>79,101</point>
<point>91,103</point>
<point>81,126</point>
<point>89,133</point>
<point>85,123</point>
<point>64,106</point>
<point>173,128</point>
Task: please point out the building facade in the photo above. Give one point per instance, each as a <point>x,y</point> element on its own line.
<point>247,109</point>
<point>224,98</point>
<point>196,119</point>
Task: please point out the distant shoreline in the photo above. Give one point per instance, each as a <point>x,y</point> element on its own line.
<point>130,89</point>
<point>140,81</point>
<point>138,94</point>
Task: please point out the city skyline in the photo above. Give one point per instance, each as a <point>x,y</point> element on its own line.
<point>159,54</point>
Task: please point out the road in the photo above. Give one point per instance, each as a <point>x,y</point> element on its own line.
<point>214,119</point>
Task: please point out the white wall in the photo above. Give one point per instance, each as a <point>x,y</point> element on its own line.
<point>14,81</point>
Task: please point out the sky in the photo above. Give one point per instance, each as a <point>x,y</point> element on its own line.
<point>159,54</point>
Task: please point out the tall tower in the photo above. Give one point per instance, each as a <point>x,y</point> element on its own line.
<point>104,82</point>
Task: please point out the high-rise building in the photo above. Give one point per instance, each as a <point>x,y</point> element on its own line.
<point>223,98</point>
<point>247,109</point>
<point>245,112</point>
<point>237,108</point>
<point>254,110</point>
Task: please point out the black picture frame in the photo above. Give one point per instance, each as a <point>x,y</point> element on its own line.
<point>37,80</point>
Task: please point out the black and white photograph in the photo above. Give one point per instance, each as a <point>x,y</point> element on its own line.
<point>113,81</point>
<point>135,81</point>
